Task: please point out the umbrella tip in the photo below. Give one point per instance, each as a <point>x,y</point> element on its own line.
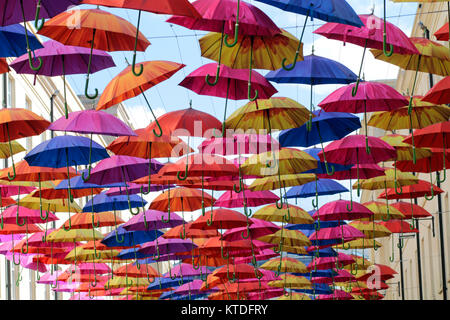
<point>190,104</point>
<point>126,60</point>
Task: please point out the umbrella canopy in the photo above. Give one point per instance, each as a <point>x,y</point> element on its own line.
<point>14,41</point>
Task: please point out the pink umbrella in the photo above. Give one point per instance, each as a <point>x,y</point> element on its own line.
<point>26,261</point>
<point>14,213</point>
<point>262,255</point>
<point>266,294</point>
<point>50,278</point>
<point>258,228</point>
<point>134,188</point>
<point>336,295</point>
<point>67,287</point>
<point>90,122</point>
<point>371,96</point>
<point>371,35</point>
<point>338,210</point>
<point>193,287</point>
<point>185,270</point>
<point>344,233</point>
<point>267,276</point>
<point>324,263</point>
<point>353,150</point>
<point>84,296</point>
<point>231,199</point>
<point>231,84</point>
<point>90,268</point>
<point>9,191</point>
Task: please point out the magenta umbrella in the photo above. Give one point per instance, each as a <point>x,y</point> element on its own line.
<point>336,295</point>
<point>219,15</point>
<point>152,220</point>
<point>264,254</point>
<point>193,288</point>
<point>13,213</point>
<point>324,263</point>
<point>371,35</point>
<point>267,275</point>
<point>231,199</point>
<point>166,246</point>
<point>266,294</point>
<point>344,232</point>
<point>50,278</point>
<point>61,60</point>
<point>90,122</point>
<point>134,188</point>
<point>185,270</point>
<point>26,261</point>
<point>9,191</point>
<point>371,96</point>
<point>122,169</point>
<point>231,84</point>
<point>337,210</point>
<point>353,150</point>
<point>258,228</point>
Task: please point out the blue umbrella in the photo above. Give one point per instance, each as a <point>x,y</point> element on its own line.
<point>129,238</point>
<point>319,187</point>
<point>317,288</point>
<point>64,151</point>
<point>102,202</point>
<point>338,11</point>
<point>314,70</point>
<point>164,283</point>
<point>321,167</point>
<point>13,41</point>
<point>330,126</point>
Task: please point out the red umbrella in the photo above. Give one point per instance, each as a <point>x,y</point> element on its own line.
<point>439,93</point>
<point>221,219</point>
<point>420,189</point>
<point>410,210</point>
<point>383,271</point>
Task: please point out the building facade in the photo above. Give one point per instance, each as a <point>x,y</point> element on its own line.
<point>424,281</point>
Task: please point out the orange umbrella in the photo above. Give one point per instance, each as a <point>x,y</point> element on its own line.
<point>51,193</point>
<point>125,85</point>
<point>190,232</point>
<point>221,219</point>
<point>83,220</point>
<point>95,29</point>
<point>16,123</point>
<point>4,68</point>
<point>134,271</point>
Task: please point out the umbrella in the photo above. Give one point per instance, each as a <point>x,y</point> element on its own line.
<point>331,10</point>
<point>313,70</point>
<point>151,220</point>
<point>125,85</point>
<point>438,93</point>
<point>180,7</point>
<point>130,238</point>
<point>369,36</point>
<point>60,60</point>
<point>16,123</point>
<point>272,213</point>
<point>113,34</point>
<point>230,86</point>
<point>372,96</point>
<point>14,41</point>
<point>350,150</point>
<point>330,126</point>
<point>250,51</point>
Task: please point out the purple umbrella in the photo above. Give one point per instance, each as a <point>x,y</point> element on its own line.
<point>165,246</point>
<point>92,121</point>
<point>185,270</point>
<point>193,288</point>
<point>258,228</point>
<point>9,14</point>
<point>151,220</point>
<point>122,169</point>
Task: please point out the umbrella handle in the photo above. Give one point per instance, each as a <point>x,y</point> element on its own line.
<point>248,231</point>
<point>249,90</point>
<point>89,71</point>
<point>185,172</point>
<point>115,224</point>
<point>355,88</point>
<point>391,50</point>
<point>12,158</point>
<point>221,250</point>
<point>141,67</point>
<point>183,234</point>
<point>149,170</point>
<point>216,80</point>
<point>400,243</point>
<point>356,269</point>
<point>36,19</point>
<point>236,29</point>
<point>89,168</point>
<point>168,208</point>
<point>351,204</point>
<point>431,187</point>
<point>297,52</point>
<point>395,180</point>
<point>444,150</point>
<point>30,58</point>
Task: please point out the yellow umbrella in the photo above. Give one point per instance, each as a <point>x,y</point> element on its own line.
<point>82,254</point>
<point>126,282</point>
<point>272,213</point>
<point>371,229</point>
<point>404,150</point>
<point>360,243</point>
<point>433,58</point>
<point>360,263</point>
<point>73,235</point>
<point>5,152</point>
<point>276,113</point>
<point>390,179</point>
<point>290,238</point>
<point>44,184</point>
<point>380,211</point>
<point>295,296</point>
<point>287,265</point>
<point>296,250</point>
<point>291,281</point>
<point>285,180</point>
